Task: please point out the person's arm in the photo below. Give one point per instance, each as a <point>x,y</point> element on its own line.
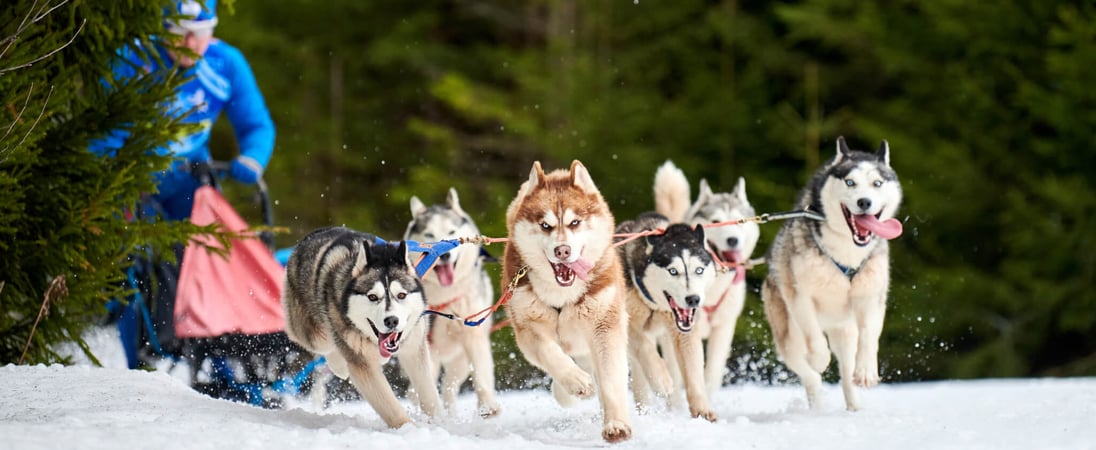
<point>246,110</point>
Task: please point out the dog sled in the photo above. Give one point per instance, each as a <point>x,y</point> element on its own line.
<point>219,316</point>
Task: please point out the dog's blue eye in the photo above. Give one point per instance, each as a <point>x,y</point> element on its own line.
<point>850,183</point>
<point>699,270</point>
<point>574,223</point>
<point>544,226</point>
<point>673,272</point>
<point>429,235</point>
<point>878,183</point>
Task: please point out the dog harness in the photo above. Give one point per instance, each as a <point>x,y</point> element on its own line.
<point>848,271</point>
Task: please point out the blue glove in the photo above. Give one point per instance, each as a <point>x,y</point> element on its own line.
<point>246,170</point>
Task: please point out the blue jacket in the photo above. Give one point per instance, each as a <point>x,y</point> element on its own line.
<point>221,80</point>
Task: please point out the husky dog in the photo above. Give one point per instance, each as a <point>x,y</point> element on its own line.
<point>831,276</point>
<point>357,302</point>
<point>731,244</point>
<point>569,307</point>
<point>457,284</point>
<point>667,276</point>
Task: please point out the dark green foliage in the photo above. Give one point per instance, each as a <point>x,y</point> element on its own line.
<point>62,216</point>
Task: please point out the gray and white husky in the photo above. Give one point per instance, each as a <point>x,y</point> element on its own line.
<point>358,303</point>
<point>667,276</point>
<point>830,278</point>
<point>732,244</point>
<point>457,284</point>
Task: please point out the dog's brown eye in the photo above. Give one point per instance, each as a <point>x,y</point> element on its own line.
<point>372,297</point>
<point>401,295</point>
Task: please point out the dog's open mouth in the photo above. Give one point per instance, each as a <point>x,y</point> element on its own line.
<point>444,271</point>
<point>566,272</point>
<point>864,226</point>
<point>387,343</point>
<point>683,317</point>
<point>730,258</point>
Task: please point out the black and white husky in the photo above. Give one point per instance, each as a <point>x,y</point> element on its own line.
<point>358,303</point>
<point>668,276</point>
<point>732,244</point>
<point>458,284</point>
<point>830,278</point>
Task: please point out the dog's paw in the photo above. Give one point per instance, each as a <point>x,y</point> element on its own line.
<point>616,431</point>
<point>489,410</point>
<point>865,378</point>
<point>705,414</point>
<point>578,383</point>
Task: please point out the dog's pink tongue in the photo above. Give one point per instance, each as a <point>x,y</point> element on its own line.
<point>739,273</point>
<point>383,347</point>
<point>581,267</point>
<point>887,229</point>
<point>445,274</point>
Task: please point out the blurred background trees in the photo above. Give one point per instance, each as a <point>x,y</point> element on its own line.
<point>989,110</point>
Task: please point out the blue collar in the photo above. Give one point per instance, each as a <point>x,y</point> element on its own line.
<point>638,282</point>
<point>848,271</point>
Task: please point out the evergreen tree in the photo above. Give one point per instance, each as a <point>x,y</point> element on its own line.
<point>64,228</point>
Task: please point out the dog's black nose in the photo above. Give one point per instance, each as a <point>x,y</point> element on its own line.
<point>864,204</point>
<point>692,301</point>
<point>732,242</point>
<point>563,252</point>
<point>391,322</point>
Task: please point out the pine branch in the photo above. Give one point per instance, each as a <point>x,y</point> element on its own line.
<point>10,40</point>
<point>18,115</point>
<point>47,55</point>
<point>56,291</point>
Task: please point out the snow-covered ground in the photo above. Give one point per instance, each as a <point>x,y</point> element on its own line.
<point>85,407</point>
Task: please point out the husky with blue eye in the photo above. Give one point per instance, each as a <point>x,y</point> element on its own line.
<point>568,304</point>
<point>731,245</point>
<point>828,279</point>
<point>357,303</point>
<point>667,275</point>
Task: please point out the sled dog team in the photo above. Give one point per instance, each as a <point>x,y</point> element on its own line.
<point>590,309</point>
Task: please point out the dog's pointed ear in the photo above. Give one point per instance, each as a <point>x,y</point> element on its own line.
<point>842,150</point>
<point>698,232</point>
<point>404,256</point>
<point>417,207</point>
<point>362,256</point>
<point>536,175</point>
<point>740,190</point>
<point>580,177</point>
<point>453,200</point>
<point>705,192</point>
<point>883,154</point>
<point>654,239</point>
